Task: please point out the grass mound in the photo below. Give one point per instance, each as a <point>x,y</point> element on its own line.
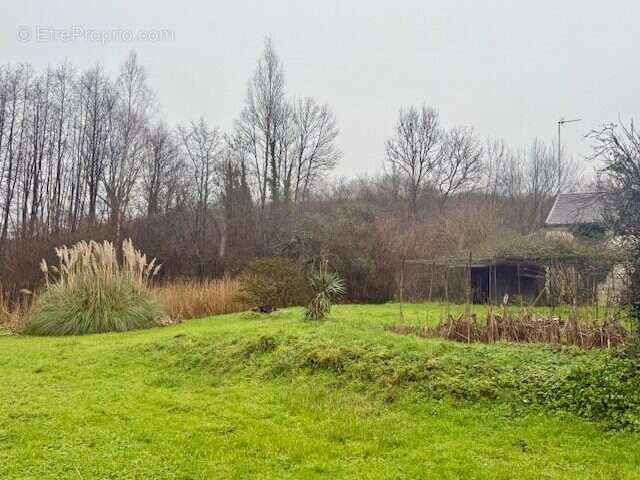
<point>599,386</point>
<point>95,293</point>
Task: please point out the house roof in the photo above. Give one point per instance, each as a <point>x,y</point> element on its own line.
<point>573,208</point>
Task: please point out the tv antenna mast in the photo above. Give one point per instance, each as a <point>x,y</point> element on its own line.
<point>562,122</point>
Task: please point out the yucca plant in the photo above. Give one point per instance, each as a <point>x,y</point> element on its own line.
<point>92,291</point>
<point>327,287</point>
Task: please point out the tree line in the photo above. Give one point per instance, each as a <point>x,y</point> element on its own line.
<point>86,154</point>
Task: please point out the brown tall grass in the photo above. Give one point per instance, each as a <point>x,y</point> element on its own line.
<point>14,312</point>
<point>185,299</point>
<point>526,328</point>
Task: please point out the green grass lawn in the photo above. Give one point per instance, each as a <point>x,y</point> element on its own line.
<point>274,396</point>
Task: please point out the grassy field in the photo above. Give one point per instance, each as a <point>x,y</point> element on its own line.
<point>249,396</point>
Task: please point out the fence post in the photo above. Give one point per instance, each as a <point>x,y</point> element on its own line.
<point>467,303</point>
<point>401,280</point>
<point>433,273</point>
<point>446,289</point>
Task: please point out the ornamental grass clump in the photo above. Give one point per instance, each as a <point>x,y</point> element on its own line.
<point>91,290</point>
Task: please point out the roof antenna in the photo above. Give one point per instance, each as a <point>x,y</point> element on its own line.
<point>561,123</point>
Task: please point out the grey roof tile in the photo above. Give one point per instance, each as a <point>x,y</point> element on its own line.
<point>572,208</point>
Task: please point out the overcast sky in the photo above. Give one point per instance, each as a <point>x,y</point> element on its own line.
<point>508,68</point>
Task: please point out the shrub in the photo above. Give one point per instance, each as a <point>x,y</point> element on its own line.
<point>275,281</point>
<point>90,291</point>
<point>188,298</point>
<point>327,286</point>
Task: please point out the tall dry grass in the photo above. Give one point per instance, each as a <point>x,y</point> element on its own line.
<point>184,299</point>
<point>14,312</point>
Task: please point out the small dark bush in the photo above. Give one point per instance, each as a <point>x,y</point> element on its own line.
<point>276,282</point>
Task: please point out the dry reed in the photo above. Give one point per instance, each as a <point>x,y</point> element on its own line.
<point>185,299</point>
<point>14,311</point>
<point>526,328</point>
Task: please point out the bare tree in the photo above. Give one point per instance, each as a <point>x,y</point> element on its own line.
<point>263,120</point>
<point>459,165</point>
<point>63,111</point>
<point>16,103</point>
<point>315,153</point>
<point>92,129</point>
<point>617,146</point>
<point>126,141</point>
<point>414,150</point>
<point>35,172</point>
<point>202,146</point>
<point>161,163</point>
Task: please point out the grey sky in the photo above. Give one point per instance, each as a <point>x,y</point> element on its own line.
<point>508,68</point>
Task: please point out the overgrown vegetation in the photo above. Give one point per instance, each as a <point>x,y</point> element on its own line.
<point>617,146</point>
<point>276,282</point>
<point>92,291</point>
<point>524,328</point>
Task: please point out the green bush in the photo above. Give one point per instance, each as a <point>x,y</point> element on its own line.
<point>92,292</point>
<point>275,281</point>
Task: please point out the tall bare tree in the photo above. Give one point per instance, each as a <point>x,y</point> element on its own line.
<point>414,150</point>
<point>16,87</point>
<point>93,126</point>
<point>63,110</point>
<point>315,153</point>
<point>160,166</point>
<point>263,123</point>
<point>127,140</point>
<point>202,146</point>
